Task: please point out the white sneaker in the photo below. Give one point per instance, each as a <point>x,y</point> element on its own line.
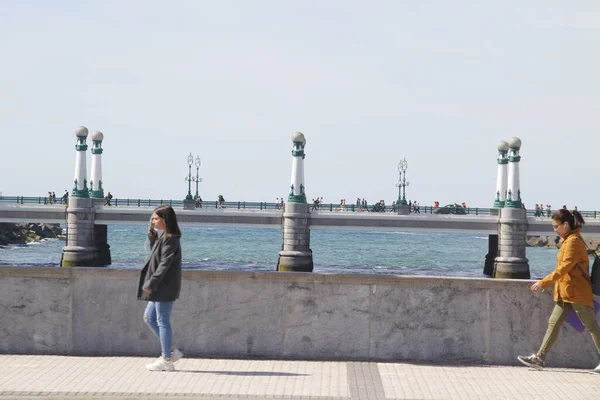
<point>176,355</point>
<point>596,370</point>
<point>161,365</point>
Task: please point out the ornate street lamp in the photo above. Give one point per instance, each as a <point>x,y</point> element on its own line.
<point>188,178</point>
<point>402,183</point>
<point>197,178</point>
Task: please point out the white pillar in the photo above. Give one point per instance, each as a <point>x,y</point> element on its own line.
<point>80,188</point>
<point>297,193</point>
<point>502,178</point>
<point>513,193</point>
<point>96,176</point>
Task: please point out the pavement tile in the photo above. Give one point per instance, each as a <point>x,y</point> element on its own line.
<point>485,382</point>
<point>118,378</point>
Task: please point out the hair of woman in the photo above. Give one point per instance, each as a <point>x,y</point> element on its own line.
<point>168,215</point>
<point>574,218</point>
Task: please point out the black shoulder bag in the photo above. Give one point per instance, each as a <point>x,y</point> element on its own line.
<point>594,279</point>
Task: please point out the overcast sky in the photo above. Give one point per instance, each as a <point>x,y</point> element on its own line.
<point>369,83</point>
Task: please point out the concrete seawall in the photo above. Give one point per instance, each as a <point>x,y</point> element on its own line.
<point>89,311</point>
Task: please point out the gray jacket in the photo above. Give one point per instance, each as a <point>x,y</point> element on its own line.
<point>162,271</point>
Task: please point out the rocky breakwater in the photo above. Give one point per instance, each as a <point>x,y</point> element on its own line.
<point>27,233</point>
<point>554,242</point>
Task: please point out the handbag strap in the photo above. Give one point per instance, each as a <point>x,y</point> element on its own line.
<point>588,247</point>
<point>585,276</point>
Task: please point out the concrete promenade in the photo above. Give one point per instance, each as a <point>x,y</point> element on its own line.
<point>60,377</point>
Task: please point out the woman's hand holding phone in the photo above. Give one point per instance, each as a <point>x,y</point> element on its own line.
<point>152,234</point>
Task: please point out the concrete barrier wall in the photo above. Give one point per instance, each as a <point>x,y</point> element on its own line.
<point>94,311</point>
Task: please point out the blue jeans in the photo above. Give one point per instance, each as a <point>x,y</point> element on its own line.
<point>158,318</point>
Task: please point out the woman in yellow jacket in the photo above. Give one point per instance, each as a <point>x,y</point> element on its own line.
<point>572,287</point>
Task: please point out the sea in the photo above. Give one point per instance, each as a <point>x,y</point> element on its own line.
<point>221,248</point>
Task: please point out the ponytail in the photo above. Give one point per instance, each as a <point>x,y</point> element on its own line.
<point>574,218</point>
<point>578,221</point>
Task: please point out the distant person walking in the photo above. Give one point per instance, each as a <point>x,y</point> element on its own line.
<point>416,208</point>
<point>315,205</point>
<point>572,286</point>
<point>107,199</point>
<point>160,283</point>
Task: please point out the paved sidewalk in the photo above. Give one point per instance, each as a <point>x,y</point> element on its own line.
<point>54,377</point>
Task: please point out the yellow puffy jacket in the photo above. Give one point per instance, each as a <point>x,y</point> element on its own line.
<point>570,283</point>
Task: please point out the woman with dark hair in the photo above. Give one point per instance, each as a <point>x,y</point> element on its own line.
<point>572,286</point>
<point>160,283</point>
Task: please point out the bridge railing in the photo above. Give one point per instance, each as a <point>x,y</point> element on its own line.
<point>29,200</point>
<point>262,205</point>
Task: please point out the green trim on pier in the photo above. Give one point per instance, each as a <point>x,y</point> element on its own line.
<point>83,193</point>
<point>510,203</point>
<point>97,149</point>
<point>497,202</point>
<point>297,198</point>
<point>298,153</point>
<point>97,194</point>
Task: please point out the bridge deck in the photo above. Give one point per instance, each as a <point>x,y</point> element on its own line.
<point>484,224</point>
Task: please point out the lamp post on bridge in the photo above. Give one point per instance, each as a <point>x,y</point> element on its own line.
<point>188,202</point>
<point>197,179</point>
<point>188,178</point>
<point>402,204</point>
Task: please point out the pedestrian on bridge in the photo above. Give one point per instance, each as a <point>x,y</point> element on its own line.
<point>107,199</point>
<point>160,284</point>
<point>572,286</point>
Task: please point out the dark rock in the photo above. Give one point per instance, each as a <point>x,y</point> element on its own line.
<point>26,233</point>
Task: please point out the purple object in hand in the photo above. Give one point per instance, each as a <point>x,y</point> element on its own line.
<point>574,320</point>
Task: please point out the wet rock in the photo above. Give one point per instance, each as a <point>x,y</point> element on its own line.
<point>27,233</point>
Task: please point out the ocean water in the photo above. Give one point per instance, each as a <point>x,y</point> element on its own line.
<point>334,251</point>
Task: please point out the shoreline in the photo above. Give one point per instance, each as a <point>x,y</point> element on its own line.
<point>553,242</point>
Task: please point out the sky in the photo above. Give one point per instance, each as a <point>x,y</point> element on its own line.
<point>369,83</point>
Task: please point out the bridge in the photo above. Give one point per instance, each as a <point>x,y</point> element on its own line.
<point>87,217</point>
<point>263,215</point>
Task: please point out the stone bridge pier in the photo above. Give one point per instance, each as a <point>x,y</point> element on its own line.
<point>87,244</point>
<point>296,254</point>
<point>512,224</point>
